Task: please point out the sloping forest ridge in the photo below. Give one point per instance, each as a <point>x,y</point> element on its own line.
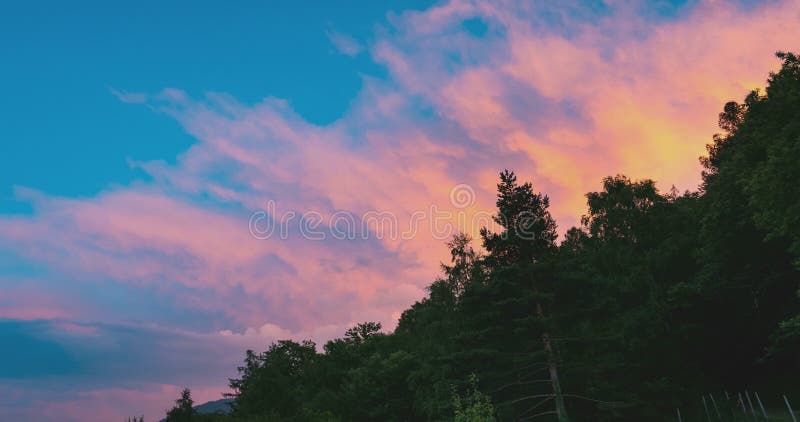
<point>659,303</point>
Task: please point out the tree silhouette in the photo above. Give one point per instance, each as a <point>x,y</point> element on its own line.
<point>183,410</point>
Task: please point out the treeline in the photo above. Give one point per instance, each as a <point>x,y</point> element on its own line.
<point>654,300</point>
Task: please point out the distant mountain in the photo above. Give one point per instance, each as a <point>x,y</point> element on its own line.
<point>216,406</point>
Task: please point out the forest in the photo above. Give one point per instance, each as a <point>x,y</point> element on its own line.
<point>659,306</point>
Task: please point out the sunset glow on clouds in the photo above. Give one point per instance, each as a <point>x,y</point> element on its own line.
<point>133,276</point>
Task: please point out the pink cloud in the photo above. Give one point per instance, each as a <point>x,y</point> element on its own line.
<point>148,238</point>
<point>25,299</point>
<point>117,404</point>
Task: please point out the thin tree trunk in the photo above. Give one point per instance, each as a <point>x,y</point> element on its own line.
<point>561,410</point>
<point>789,406</point>
<point>716,409</point>
<point>761,405</point>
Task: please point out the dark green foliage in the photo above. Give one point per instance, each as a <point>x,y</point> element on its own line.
<point>183,411</point>
<point>751,227</point>
<point>272,382</point>
<point>655,300</point>
<point>529,232</point>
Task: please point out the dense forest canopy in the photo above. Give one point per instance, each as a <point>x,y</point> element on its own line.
<point>654,300</point>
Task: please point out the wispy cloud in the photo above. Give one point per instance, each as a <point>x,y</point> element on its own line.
<point>129,97</point>
<point>344,43</point>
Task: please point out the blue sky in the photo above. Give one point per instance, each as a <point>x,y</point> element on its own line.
<point>64,58</point>
<point>139,139</point>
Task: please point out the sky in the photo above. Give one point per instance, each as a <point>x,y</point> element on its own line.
<point>182,181</point>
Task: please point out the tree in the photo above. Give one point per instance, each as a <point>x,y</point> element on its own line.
<point>362,332</point>
<point>474,406</point>
<point>464,265</point>
<point>617,279</point>
<point>183,410</point>
<point>528,230</point>
<point>273,382</point>
<point>527,238</point>
<point>619,211</point>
